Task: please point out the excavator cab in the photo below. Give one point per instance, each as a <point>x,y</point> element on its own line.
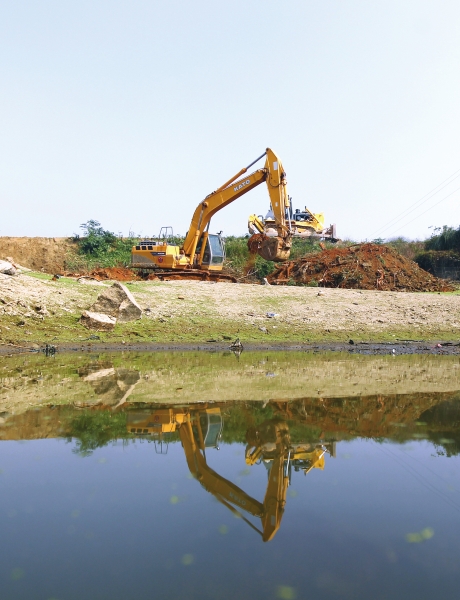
<point>209,432</point>
<point>214,250</point>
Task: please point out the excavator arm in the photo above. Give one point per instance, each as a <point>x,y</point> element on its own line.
<point>275,177</point>
<point>212,481</point>
<point>275,498</point>
<point>229,494</point>
<point>215,202</point>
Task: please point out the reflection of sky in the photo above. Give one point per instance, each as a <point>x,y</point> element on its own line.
<point>129,523</point>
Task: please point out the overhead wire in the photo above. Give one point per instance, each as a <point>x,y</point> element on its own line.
<point>420,478</point>
<point>428,468</point>
<point>419,202</point>
<point>427,210</point>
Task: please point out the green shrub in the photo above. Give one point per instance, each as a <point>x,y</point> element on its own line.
<point>100,248</point>
<point>407,248</point>
<point>446,238</point>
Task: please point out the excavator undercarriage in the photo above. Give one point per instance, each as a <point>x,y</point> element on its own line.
<point>190,275</point>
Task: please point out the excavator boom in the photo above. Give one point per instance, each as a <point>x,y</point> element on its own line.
<point>274,176</point>
<point>212,481</point>
<point>215,202</point>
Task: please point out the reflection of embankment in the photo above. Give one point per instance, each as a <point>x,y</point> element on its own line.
<point>430,416</point>
<point>371,416</point>
<point>442,424</point>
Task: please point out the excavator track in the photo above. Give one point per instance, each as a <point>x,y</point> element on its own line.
<point>189,275</point>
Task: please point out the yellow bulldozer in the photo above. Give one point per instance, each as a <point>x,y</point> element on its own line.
<point>303,223</point>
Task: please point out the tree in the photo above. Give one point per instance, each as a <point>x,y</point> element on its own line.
<point>96,239</point>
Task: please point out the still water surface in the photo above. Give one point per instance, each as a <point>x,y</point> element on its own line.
<point>306,494</point>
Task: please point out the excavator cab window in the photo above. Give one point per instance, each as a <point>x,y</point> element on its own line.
<point>214,252</point>
<point>302,216</point>
<point>211,427</point>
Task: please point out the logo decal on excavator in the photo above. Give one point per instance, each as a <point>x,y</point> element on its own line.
<point>242,184</point>
<point>236,499</point>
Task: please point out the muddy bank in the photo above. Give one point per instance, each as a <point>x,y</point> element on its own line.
<point>366,348</point>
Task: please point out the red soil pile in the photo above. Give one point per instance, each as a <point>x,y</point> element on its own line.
<point>364,266</point>
<point>114,274</point>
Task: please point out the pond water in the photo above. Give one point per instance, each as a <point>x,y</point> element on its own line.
<point>193,475</point>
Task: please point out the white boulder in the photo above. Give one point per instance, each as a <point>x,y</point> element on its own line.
<point>97,321</point>
<point>119,303</point>
<point>7,268</point>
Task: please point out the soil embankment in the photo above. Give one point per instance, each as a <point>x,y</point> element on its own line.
<point>37,253</point>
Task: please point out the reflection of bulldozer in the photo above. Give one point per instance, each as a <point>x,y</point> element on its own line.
<point>200,428</point>
<point>305,456</point>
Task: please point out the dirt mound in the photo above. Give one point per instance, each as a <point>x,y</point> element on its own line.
<point>364,266</point>
<point>114,274</point>
<point>38,253</point>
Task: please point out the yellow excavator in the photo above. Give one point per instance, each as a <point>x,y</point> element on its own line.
<point>202,253</point>
<point>201,428</point>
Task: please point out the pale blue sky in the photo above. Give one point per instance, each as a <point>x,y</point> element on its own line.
<point>131,112</point>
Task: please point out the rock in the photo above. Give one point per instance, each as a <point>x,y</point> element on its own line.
<point>119,303</point>
<point>98,321</point>
<point>41,310</point>
<point>129,310</point>
<point>7,268</point>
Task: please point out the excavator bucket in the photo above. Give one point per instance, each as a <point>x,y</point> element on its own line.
<point>270,248</point>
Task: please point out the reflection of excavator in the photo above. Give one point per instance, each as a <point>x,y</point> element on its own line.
<point>202,428</point>
<point>204,252</point>
<point>303,223</point>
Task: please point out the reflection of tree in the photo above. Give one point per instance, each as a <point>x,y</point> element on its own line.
<point>443,425</point>
<point>95,429</point>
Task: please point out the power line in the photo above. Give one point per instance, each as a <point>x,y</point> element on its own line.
<point>427,210</point>
<point>421,479</point>
<point>419,202</point>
